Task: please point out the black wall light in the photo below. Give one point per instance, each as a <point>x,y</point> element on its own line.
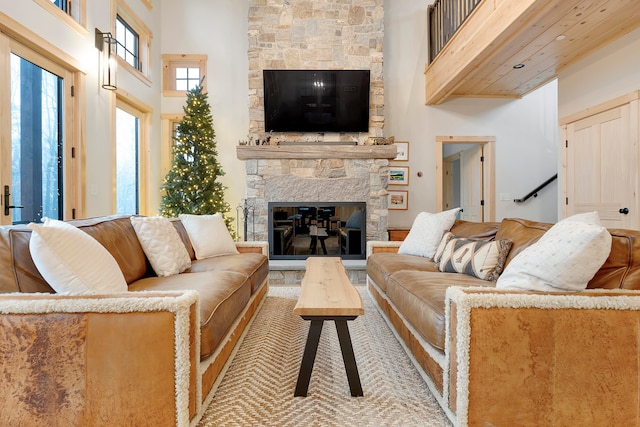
<point>106,44</point>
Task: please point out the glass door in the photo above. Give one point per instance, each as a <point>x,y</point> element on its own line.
<point>36,179</point>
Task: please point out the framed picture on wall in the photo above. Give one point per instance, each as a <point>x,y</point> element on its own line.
<point>398,200</point>
<point>403,151</point>
<point>398,175</point>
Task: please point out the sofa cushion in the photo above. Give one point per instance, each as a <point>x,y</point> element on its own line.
<point>420,297</point>
<point>117,235</point>
<point>161,244</point>
<point>209,235</point>
<point>223,296</point>
<point>522,234</point>
<point>426,232</point>
<point>254,266</point>
<point>475,230</point>
<point>72,261</point>
<point>622,267</point>
<point>382,265</point>
<point>564,259</point>
<point>476,258</point>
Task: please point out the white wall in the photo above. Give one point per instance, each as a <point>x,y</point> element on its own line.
<point>219,30</point>
<point>525,129</point>
<point>611,72</point>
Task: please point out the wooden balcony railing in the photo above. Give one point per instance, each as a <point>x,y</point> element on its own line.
<point>445,17</point>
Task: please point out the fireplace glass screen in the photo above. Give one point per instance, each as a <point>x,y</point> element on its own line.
<point>297,230</point>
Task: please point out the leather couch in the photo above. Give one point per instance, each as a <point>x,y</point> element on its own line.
<point>503,358</point>
<point>150,356</point>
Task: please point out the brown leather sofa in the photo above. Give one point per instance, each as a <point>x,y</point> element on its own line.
<point>505,358</point>
<point>148,358</point>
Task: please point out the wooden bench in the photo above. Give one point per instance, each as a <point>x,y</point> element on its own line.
<point>327,294</point>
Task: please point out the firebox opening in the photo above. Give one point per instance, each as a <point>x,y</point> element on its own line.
<point>298,230</point>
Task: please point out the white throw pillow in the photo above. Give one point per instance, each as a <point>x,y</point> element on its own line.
<point>565,258</point>
<point>209,235</point>
<point>426,233</point>
<point>72,261</point>
<point>161,244</point>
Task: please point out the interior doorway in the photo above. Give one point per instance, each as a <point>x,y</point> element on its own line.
<point>465,176</point>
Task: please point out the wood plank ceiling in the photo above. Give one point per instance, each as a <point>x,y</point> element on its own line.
<point>508,48</point>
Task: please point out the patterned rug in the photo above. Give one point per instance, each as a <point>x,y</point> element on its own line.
<point>257,390</point>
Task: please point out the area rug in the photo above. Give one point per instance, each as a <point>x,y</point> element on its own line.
<point>258,388</point>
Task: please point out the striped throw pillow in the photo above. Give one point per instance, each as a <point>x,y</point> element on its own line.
<point>481,259</point>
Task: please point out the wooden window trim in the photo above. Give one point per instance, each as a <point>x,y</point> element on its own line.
<point>127,102</point>
<point>166,157</point>
<point>79,24</point>
<point>74,174</point>
<point>172,61</point>
<point>144,41</point>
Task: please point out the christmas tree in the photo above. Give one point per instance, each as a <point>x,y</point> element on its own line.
<point>191,185</point>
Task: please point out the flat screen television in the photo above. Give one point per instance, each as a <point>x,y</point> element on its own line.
<point>316,100</point>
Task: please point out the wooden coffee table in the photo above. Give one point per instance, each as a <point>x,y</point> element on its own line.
<point>327,294</point>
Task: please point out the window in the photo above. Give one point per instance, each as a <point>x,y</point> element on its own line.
<point>127,43</point>
<point>134,42</point>
<point>38,169</point>
<point>131,153</point>
<point>181,73</point>
<point>169,132</point>
<point>71,12</point>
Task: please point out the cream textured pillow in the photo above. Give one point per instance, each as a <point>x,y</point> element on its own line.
<point>72,261</point>
<point>209,235</point>
<point>161,244</point>
<point>477,258</point>
<point>426,233</point>
<point>565,258</point>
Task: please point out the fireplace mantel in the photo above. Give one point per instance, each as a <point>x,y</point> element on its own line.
<point>319,151</point>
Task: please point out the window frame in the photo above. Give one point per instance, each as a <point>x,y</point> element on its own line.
<point>16,38</point>
<point>143,112</point>
<point>136,24</point>
<point>76,20</point>
<point>169,123</point>
<point>170,62</point>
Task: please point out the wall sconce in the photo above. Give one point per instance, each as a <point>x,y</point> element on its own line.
<point>106,44</point>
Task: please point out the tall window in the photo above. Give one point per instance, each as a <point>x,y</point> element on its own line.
<point>131,154</point>
<point>37,168</point>
<point>128,43</point>
<point>127,170</point>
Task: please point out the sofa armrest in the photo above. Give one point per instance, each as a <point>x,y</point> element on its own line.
<point>543,359</point>
<point>257,246</point>
<point>124,359</point>
<point>379,246</point>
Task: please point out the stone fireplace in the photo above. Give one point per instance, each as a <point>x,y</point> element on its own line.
<point>317,173</point>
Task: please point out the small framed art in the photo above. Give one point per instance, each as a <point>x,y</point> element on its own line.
<point>398,175</point>
<point>398,200</point>
<point>403,151</point>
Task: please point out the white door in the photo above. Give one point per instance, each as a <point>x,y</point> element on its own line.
<point>602,167</point>
<point>471,185</point>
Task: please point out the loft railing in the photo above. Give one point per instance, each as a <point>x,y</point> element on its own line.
<point>534,192</point>
<point>445,17</point>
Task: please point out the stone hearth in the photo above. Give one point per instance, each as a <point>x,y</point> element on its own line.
<point>317,173</point>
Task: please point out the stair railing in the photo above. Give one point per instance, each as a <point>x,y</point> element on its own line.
<point>534,192</point>
<point>445,17</point>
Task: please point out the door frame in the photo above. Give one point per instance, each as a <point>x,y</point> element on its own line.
<point>488,146</point>
<point>16,38</point>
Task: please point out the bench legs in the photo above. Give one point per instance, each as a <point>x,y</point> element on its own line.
<point>311,348</point>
